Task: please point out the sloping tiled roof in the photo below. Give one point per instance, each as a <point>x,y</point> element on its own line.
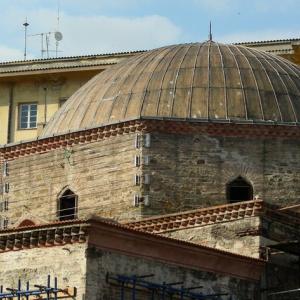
<point>70,231</point>
<point>199,217</point>
<point>268,42</point>
<point>84,61</point>
<point>213,215</point>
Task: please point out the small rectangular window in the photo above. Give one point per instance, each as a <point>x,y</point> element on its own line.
<point>5,168</point>
<point>28,116</point>
<point>6,187</point>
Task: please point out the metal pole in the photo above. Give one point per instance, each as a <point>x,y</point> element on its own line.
<point>285,292</point>
<point>55,287</point>
<point>25,37</point>
<point>48,293</point>
<point>133,288</point>
<point>122,290</point>
<point>45,105</point>
<point>27,289</point>
<point>42,45</point>
<point>19,289</point>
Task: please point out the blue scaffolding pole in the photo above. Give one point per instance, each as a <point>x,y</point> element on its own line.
<point>50,292</point>
<point>163,291</point>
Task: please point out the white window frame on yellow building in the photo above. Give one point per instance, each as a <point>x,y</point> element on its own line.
<point>29,116</point>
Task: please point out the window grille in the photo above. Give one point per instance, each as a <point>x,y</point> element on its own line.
<point>67,206</point>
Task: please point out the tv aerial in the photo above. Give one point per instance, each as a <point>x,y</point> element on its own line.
<point>45,42</point>
<point>58,36</point>
<point>45,38</point>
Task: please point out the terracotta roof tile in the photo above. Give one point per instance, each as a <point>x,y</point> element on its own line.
<point>199,217</point>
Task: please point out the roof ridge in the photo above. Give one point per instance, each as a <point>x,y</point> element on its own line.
<point>267,41</point>
<point>199,217</point>
<point>52,59</point>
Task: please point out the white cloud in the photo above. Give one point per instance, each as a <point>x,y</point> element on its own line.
<point>106,34</point>
<point>92,34</point>
<point>7,53</point>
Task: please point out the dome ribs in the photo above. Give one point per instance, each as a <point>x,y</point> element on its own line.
<point>202,82</point>
<point>189,112</point>
<point>208,80</point>
<point>240,86</point>
<point>165,89</point>
<point>257,57</point>
<point>174,89</point>
<point>142,108</point>
<point>283,106</point>
<point>102,111</point>
<point>269,103</point>
<point>254,111</point>
<point>289,84</point>
<point>224,78</point>
<point>168,50</point>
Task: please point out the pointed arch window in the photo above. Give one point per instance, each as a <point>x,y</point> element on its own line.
<point>239,190</point>
<point>67,206</point>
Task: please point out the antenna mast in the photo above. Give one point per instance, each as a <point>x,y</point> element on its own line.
<point>210,32</point>
<point>25,24</point>
<point>57,30</point>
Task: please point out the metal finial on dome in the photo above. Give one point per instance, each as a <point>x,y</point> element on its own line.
<point>210,32</point>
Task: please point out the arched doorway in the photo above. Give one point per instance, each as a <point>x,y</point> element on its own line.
<point>67,206</point>
<point>239,190</point>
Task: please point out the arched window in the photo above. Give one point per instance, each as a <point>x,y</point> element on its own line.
<point>67,206</point>
<point>239,190</point>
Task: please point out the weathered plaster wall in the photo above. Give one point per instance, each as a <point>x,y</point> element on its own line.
<point>191,171</point>
<point>239,236</point>
<point>30,89</point>
<point>101,174</point>
<point>67,263</point>
<point>100,262</point>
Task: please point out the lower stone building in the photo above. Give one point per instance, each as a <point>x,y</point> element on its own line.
<point>103,260</point>
<point>172,175</point>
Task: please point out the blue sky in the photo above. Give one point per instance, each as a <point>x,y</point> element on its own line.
<point>104,26</point>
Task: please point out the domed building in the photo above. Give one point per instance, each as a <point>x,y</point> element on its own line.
<point>185,148</point>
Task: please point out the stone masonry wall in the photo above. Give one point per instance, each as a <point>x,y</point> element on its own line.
<point>100,262</point>
<point>239,236</point>
<point>67,263</point>
<point>191,171</point>
<point>101,174</point>
<point>185,172</point>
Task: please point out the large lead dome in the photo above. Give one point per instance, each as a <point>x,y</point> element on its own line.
<point>200,81</point>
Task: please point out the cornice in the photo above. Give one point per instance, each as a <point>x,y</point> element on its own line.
<point>170,126</point>
<point>50,235</point>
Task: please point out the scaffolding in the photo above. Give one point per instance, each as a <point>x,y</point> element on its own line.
<point>131,286</point>
<point>37,292</point>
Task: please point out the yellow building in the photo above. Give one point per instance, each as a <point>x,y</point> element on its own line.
<point>289,49</point>
<point>32,91</point>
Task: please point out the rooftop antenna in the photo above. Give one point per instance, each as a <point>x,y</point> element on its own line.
<point>25,24</point>
<point>57,35</point>
<point>210,32</point>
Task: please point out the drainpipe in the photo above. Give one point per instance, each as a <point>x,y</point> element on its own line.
<point>45,106</point>
<point>10,113</point>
